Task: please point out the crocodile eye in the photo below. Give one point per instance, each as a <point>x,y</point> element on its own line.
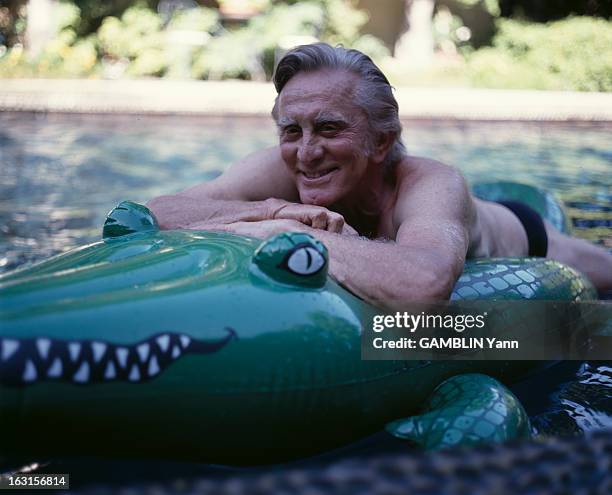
<point>292,258</point>
<point>304,260</point>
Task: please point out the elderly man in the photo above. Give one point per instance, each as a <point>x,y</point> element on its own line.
<point>398,227</point>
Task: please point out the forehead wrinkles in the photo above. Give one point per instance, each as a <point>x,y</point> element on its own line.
<point>309,92</point>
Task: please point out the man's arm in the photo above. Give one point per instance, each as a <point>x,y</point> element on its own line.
<point>255,188</point>
<point>435,214</point>
<point>424,261</point>
<point>384,273</point>
<point>388,274</point>
<point>241,193</point>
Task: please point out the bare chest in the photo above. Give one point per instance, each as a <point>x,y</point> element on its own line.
<point>379,226</point>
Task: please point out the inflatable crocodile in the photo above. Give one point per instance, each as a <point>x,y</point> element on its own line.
<point>220,348</point>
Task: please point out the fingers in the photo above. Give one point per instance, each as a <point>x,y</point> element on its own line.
<point>323,219</point>
<point>318,220</point>
<point>316,217</point>
<point>335,223</point>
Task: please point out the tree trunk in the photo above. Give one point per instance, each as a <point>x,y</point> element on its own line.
<point>415,48</point>
<point>41,25</point>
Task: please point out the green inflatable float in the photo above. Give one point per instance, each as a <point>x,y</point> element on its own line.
<point>220,348</point>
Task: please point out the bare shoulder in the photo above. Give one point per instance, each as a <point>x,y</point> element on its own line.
<point>258,176</point>
<point>434,212</point>
<point>431,190</point>
<point>424,168</point>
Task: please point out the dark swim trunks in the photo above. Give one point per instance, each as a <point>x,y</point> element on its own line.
<point>533,225</point>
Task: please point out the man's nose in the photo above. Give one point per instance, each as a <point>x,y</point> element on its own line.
<point>309,150</point>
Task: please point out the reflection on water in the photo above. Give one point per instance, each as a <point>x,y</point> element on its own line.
<point>582,403</point>
<point>59,175</point>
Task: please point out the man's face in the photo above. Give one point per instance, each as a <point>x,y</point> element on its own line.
<point>323,135</point>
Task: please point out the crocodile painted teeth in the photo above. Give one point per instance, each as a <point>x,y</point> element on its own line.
<point>153,368</point>
<point>185,341</point>
<point>27,361</point>
<point>143,351</point>
<point>82,375</point>
<point>163,341</point>
<point>134,374</point>
<point>43,347</point>
<point>75,349</point>
<point>9,347</point>
<point>29,372</point>
<point>98,348</point>
<point>110,372</point>
<point>55,370</point>
<point>122,355</point>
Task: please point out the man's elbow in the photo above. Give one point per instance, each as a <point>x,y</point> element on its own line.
<point>441,289</point>
<point>435,284</point>
<point>443,277</point>
<point>163,209</point>
<point>430,284</point>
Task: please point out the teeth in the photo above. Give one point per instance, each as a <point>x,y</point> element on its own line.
<point>56,369</point>
<point>134,374</point>
<point>82,375</point>
<point>29,373</point>
<point>185,341</point>
<point>153,367</point>
<point>143,351</point>
<point>99,348</point>
<point>110,371</point>
<point>143,363</point>
<point>74,348</point>
<point>163,341</point>
<point>122,355</point>
<point>316,175</point>
<point>9,347</point>
<point>43,347</point>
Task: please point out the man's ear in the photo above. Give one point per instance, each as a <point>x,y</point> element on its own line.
<point>382,146</point>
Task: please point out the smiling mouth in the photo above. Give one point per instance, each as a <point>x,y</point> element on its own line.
<point>317,174</point>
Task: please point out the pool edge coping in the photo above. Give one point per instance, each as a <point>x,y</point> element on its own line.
<point>255,99</point>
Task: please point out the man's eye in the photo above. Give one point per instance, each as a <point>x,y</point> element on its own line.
<point>328,128</point>
<point>292,130</point>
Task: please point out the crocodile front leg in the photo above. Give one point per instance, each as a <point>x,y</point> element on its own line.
<point>465,410</point>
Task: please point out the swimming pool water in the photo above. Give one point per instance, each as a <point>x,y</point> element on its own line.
<point>60,175</point>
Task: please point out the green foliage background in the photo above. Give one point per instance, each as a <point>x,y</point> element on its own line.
<point>123,38</point>
<point>574,53</point>
<point>139,42</point>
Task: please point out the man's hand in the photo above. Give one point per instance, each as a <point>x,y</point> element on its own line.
<point>316,217</point>
<point>264,228</point>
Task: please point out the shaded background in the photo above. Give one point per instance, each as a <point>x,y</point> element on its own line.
<point>483,43</point>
